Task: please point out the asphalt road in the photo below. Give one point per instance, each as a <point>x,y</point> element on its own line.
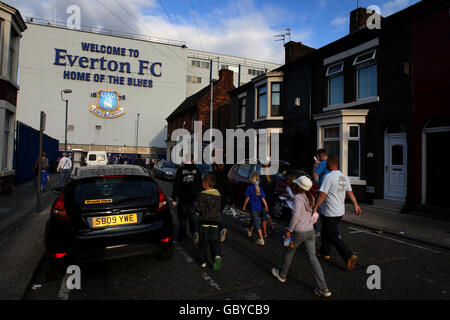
<point>408,270</point>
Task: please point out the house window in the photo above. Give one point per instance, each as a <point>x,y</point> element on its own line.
<point>367,81</point>
<point>366,74</point>
<point>335,84</point>
<point>242,109</point>
<point>255,72</point>
<point>262,101</point>
<point>12,55</point>
<point>6,140</point>
<point>193,79</point>
<point>331,140</point>
<point>353,149</point>
<point>200,64</point>
<point>276,99</point>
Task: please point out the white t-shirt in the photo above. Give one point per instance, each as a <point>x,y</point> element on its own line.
<point>65,163</point>
<point>335,184</point>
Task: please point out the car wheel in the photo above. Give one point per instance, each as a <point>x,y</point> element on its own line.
<point>166,253</point>
<point>277,209</point>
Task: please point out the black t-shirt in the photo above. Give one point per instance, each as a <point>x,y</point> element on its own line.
<point>188,183</point>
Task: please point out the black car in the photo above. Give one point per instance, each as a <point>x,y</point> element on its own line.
<point>107,212</point>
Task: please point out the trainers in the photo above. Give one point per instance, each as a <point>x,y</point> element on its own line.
<point>276,274</point>
<point>203,265</point>
<point>323,256</point>
<point>217,263</point>
<point>223,234</point>
<point>320,293</point>
<point>351,262</point>
<point>249,233</point>
<point>260,242</point>
<point>196,237</point>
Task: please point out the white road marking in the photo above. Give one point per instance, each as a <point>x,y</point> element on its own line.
<point>63,293</point>
<point>210,280</point>
<point>356,230</point>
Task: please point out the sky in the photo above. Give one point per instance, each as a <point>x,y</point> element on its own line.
<point>242,28</point>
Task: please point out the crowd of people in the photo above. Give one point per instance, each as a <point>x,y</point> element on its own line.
<point>200,201</point>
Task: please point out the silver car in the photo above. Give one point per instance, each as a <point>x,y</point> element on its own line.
<point>165,170</point>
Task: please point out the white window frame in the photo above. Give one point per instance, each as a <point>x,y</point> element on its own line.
<point>350,138</point>
<point>344,118</point>
<point>275,77</point>
<point>371,58</point>
<point>360,66</point>
<point>328,73</point>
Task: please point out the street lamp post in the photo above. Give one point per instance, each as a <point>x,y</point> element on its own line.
<point>67,107</point>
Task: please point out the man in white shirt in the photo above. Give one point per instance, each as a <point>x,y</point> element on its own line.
<point>64,169</point>
<point>335,187</point>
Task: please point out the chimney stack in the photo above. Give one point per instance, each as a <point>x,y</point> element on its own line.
<point>295,50</point>
<point>358,19</point>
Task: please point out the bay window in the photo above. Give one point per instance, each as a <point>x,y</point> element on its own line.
<point>262,101</point>
<point>276,99</point>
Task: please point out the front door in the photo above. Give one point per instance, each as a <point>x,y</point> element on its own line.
<point>395,167</point>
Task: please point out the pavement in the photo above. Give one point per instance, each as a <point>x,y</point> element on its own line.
<point>413,226</point>
<point>22,233</point>
<point>22,236</point>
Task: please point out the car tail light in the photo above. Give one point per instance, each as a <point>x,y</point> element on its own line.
<point>162,201</point>
<point>57,255</point>
<point>59,208</point>
<point>166,239</point>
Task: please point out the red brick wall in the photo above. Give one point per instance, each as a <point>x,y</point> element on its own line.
<point>221,107</point>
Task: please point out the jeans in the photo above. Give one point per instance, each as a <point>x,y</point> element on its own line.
<point>209,236</point>
<point>330,238</point>
<point>186,211</point>
<point>309,238</point>
<point>63,176</point>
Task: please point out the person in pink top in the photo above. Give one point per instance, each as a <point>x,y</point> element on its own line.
<point>301,227</point>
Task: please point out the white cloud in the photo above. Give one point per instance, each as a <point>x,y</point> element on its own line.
<point>241,28</point>
<point>393,6</point>
<point>339,21</point>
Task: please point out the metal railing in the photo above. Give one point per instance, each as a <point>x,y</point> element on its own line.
<point>104,31</point>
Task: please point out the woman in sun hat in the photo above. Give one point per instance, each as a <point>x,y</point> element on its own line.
<point>301,227</point>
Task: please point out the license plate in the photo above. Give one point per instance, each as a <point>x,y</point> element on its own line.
<point>115,220</point>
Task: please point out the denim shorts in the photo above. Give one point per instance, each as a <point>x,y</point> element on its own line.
<point>257,218</point>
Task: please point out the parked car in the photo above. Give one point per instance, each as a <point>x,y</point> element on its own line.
<point>165,170</point>
<point>108,212</point>
<point>95,158</point>
<point>205,168</point>
<point>272,185</point>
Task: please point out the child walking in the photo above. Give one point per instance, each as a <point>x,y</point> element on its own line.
<point>301,226</point>
<point>255,195</point>
<point>208,206</point>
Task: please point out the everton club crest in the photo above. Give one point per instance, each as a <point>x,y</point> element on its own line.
<point>107,105</point>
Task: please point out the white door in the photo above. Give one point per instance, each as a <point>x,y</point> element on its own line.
<point>395,166</point>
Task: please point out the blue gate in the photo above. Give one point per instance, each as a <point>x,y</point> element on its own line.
<point>26,152</point>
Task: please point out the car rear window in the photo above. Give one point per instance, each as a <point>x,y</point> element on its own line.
<point>168,164</point>
<point>114,190</point>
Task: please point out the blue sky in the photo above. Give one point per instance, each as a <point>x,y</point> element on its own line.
<point>244,28</point>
